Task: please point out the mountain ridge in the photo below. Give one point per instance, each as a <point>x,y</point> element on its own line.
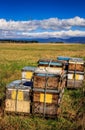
<point>47,40</point>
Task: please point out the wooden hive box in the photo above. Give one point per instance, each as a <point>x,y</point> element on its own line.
<point>45,80</point>
<point>75,75</point>
<point>76,65</point>
<point>17,97</point>
<point>51,65</point>
<point>27,73</point>
<point>74,84</point>
<point>56,66</point>
<point>45,103</point>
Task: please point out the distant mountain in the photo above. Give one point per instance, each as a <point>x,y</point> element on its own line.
<point>61,40</point>
<point>75,40</point>
<point>47,40</point>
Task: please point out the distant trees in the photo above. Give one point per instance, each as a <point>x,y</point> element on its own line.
<point>26,41</point>
<point>17,41</point>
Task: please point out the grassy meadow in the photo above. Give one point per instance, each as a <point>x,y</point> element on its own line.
<point>13,57</point>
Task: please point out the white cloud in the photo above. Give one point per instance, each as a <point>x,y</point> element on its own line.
<point>52,27</point>
<point>60,34</point>
<point>76,21</point>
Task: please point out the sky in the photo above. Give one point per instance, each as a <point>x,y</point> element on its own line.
<point>42,18</point>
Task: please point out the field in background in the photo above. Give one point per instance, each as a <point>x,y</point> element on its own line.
<point>13,57</point>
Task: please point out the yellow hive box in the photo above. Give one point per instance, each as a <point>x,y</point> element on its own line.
<point>17,97</point>
<point>75,76</point>
<point>27,72</point>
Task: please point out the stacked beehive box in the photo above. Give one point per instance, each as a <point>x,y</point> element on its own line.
<point>55,67</point>
<point>41,88</point>
<point>75,74</point>
<point>47,84</point>
<point>45,94</point>
<point>65,60</point>
<point>75,71</point>
<point>27,73</point>
<point>51,65</point>
<point>18,97</point>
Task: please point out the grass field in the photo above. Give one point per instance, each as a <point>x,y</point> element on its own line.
<point>13,57</point>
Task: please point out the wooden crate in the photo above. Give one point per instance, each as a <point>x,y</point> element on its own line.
<point>51,66</point>
<point>50,70</point>
<point>27,73</point>
<point>74,65</point>
<point>17,106</point>
<point>49,81</point>
<point>51,110</point>
<point>45,103</point>
<point>75,76</point>
<point>54,70</point>
<point>17,98</point>
<point>74,84</point>
<point>50,98</point>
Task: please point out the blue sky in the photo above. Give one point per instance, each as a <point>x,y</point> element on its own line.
<point>42,18</point>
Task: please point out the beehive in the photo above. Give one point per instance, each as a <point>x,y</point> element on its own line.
<point>75,65</point>
<point>56,65</point>
<point>74,84</point>
<point>51,65</point>
<point>51,80</point>
<point>45,80</point>
<point>27,73</point>
<point>17,97</point>
<point>45,102</point>
<point>75,75</point>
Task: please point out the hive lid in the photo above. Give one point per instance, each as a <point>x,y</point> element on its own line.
<point>76,59</point>
<point>76,62</point>
<point>19,84</point>
<point>50,62</point>
<point>63,58</point>
<point>43,63</point>
<point>44,72</point>
<point>44,60</point>
<point>28,68</point>
<point>56,63</point>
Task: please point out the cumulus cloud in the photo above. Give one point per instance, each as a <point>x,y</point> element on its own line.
<point>52,27</point>
<point>60,34</point>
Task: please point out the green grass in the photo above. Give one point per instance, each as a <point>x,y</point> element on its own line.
<point>13,57</point>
